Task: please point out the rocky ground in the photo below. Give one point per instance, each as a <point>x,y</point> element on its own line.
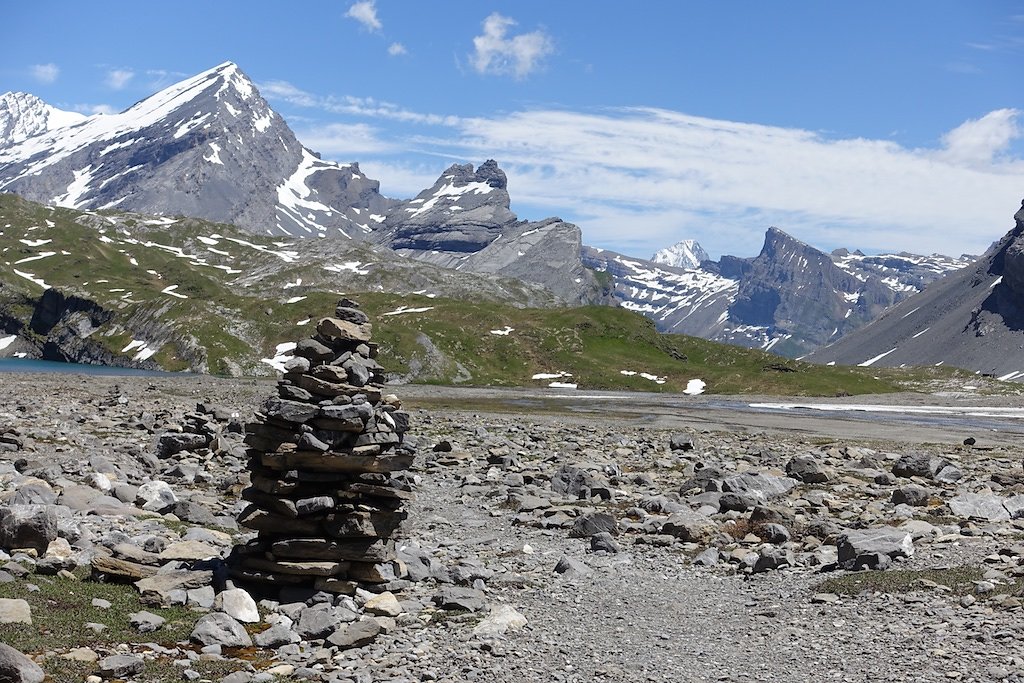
<point>541,546</point>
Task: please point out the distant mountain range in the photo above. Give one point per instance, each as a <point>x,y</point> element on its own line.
<point>210,147</point>
<point>790,299</point>
<point>973,319</point>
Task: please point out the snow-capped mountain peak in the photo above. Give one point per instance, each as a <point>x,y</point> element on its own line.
<point>684,254</point>
<point>23,116</point>
<point>208,146</point>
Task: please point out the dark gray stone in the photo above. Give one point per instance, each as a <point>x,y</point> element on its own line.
<point>913,495</point>
<point>604,541</point>
<point>593,523</point>
<point>457,598</point>
<point>355,635</point>
<point>27,526</point>
<point>807,469</point>
<point>121,666</point>
<point>857,548</point>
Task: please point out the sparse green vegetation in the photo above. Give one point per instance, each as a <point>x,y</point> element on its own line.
<point>61,606</point>
<point>954,580</point>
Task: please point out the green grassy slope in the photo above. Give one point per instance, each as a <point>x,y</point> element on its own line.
<point>237,296</point>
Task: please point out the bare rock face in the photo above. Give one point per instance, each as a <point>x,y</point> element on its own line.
<point>1013,257</point>
<point>464,211</point>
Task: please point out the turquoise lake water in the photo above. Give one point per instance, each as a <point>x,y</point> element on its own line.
<point>27,365</point>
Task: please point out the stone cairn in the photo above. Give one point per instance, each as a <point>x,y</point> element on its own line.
<point>325,455</point>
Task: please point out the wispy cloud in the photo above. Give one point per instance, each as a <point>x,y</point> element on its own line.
<point>365,12</point>
<point>45,73</point>
<point>94,109</point>
<point>161,78</point>
<point>119,78</point>
<point>614,167</point>
<point>345,140</point>
<point>963,68</point>
<point>395,49</point>
<point>347,104</point>
<point>638,179</point>
<point>496,52</point>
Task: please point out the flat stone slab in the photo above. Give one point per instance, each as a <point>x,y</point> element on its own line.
<point>987,506</point>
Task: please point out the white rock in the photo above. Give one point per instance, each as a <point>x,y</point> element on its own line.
<point>501,619</point>
<point>237,603</point>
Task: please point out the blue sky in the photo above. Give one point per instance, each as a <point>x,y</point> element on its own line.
<point>872,125</point>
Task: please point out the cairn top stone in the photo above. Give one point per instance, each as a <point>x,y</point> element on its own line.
<point>344,330</point>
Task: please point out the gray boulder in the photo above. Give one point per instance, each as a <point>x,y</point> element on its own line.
<point>355,635</point>
<point>276,636</point>
<point>593,523</point>
<point>862,548</point>
<point>156,496</point>
<point>571,568</point>
<point>807,469</point>
<point>218,628</point>
<point>321,620</point>
<point>913,495</point>
<point>146,622</point>
<point>688,525</point>
<point>763,486</point>
<point>27,526</point>
<point>121,666</point>
<point>455,598</point>
<point>918,465</point>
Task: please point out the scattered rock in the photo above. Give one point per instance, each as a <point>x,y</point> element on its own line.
<point>17,668</point>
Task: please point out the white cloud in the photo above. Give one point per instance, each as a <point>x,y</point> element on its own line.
<point>118,78</point>
<point>977,141</point>
<point>637,180</point>
<point>347,104</point>
<point>45,73</point>
<point>395,49</point>
<point>497,53</point>
<point>365,12</point>
<point>345,141</point>
<point>627,176</point>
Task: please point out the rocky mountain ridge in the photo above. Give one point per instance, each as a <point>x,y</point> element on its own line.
<point>973,319</point>
<point>23,116</point>
<point>789,299</point>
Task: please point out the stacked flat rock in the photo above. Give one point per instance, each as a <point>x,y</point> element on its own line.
<point>324,497</point>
